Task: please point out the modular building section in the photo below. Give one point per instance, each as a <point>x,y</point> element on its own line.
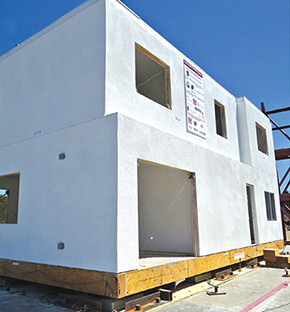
<point>120,147</point>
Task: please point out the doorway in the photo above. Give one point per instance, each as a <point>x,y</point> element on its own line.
<point>251,213</point>
<point>167,211</point>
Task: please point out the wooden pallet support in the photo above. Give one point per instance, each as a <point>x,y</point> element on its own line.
<point>274,259</point>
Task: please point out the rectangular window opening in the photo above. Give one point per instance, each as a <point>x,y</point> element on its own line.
<point>220,119</point>
<point>152,77</point>
<point>262,139</point>
<point>9,194</point>
<point>270,206</point>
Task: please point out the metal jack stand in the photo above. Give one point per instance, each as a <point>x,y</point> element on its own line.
<point>286,273</point>
<point>216,290</point>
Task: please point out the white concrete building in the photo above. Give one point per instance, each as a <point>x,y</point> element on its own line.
<point>114,144</point>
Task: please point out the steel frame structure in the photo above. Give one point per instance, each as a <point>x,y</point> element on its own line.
<point>279,155</point>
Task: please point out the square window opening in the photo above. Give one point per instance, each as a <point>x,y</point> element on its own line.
<point>9,196</point>
<point>220,119</point>
<point>270,206</point>
<point>262,139</point>
<point>152,77</point>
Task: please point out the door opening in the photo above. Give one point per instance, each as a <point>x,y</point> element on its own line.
<point>167,211</point>
<point>251,212</point>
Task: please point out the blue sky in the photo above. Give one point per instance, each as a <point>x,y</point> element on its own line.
<point>244,45</point>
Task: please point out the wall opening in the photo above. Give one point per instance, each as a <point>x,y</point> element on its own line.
<point>262,139</point>
<point>152,77</point>
<point>220,119</point>
<point>167,211</point>
<point>252,213</point>
<point>9,195</point>
<point>270,206</point>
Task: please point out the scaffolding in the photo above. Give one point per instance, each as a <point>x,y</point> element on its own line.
<point>282,154</point>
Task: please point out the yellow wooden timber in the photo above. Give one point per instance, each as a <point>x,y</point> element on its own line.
<point>120,285</point>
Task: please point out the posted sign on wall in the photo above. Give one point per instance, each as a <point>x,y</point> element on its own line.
<point>194,100</point>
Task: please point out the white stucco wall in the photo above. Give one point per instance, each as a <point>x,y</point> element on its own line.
<point>55,79</point>
<point>72,200</point>
<point>161,137</point>
<point>248,115</point>
<point>55,89</point>
<point>123,30</point>
<point>220,186</point>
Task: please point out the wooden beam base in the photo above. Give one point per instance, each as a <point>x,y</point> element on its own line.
<point>120,285</point>
<point>95,282</point>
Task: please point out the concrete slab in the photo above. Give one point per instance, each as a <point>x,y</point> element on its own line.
<point>276,302</point>
<point>36,298</point>
<point>15,302</point>
<point>242,294</point>
<point>182,306</point>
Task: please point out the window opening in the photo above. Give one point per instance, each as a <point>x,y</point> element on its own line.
<point>3,205</point>
<point>262,139</point>
<point>270,206</point>
<point>152,77</point>
<point>220,119</point>
<point>9,194</point>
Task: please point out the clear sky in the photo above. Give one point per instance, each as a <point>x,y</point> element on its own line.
<point>242,44</point>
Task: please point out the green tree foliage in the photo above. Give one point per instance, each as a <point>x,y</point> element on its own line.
<point>3,208</point>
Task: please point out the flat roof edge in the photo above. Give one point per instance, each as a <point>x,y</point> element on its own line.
<point>126,7</point>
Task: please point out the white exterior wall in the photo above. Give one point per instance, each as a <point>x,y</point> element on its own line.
<point>55,79</point>
<point>52,92</point>
<point>124,30</point>
<point>55,89</point>
<point>157,134</point>
<point>220,186</point>
<point>72,200</point>
<point>248,115</point>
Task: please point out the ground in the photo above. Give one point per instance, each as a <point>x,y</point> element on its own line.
<point>242,294</point>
